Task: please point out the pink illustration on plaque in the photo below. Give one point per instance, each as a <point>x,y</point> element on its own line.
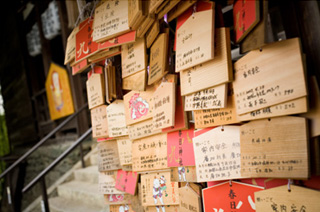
<point>159,189</point>
<point>124,208</point>
<point>139,107</point>
<point>116,197</point>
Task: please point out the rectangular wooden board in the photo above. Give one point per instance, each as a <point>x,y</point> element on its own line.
<point>268,77</point>
<point>142,129</point>
<point>133,57</point>
<point>99,122</point>
<point>116,119</point>
<point>195,36</point>
<point>275,148</point>
<point>71,46</point>
<point>137,81</point>
<point>95,90</point>
<point>158,190</point>
<point>217,154</point>
<point>111,20</point>
<point>107,183</point>
<point>179,9</point>
<point>108,156</point>
<point>150,153</point>
<point>164,100</point>
<point>211,98</point>
<point>152,33</point>
<point>158,58</point>
<point>213,72</point>
<point>124,150</point>
<point>184,174</point>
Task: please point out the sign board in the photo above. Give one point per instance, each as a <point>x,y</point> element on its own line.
<point>180,148</point>
<point>58,91</point>
<point>232,196</point>
<point>258,83</point>
<point>108,156</point>
<point>158,58</point>
<point>124,150</point>
<point>211,98</point>
<point>111,20</point>
<point>133,57</point>
<point>195,36</point>
<point>99,122</point>
<point>95,90</point>
<point>158,190</point>
<point>217,154</point>
<point>150,153</point>
<point>164,101</point>
<point>126,181</point>
<point>212,73</point>
<point>264,141</point>
<point>116,119</point>
<point>280,199</point>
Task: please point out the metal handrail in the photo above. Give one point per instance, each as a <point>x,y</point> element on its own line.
<point>57,160</point>
<point>35,147</point>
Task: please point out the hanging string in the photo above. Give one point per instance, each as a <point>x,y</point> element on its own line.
<point>289,184</point>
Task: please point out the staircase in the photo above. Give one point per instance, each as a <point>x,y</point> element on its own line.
<point>80,194</point>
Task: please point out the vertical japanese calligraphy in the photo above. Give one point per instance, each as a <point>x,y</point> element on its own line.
<point>108,156</point>
<point>116,119</point>
<point>99,122</point>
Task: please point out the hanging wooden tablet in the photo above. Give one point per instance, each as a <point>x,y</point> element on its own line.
<point>99,122</point>
<point>180,148</point>
<point>158,190</point>
<point>158,58</point>
<point>164,100</point>
<point>116,119</point>
<point>133,58</point>
<point>184,174</point>
<point>167,7</point>
<point>145,25</point>
<point>142,129</point>
<point>179,9</point>
<point>102,55</point>
<point>58,92</point>
<point>232,196</point>
<point>107,183</point>
<point>213,72</point>
<point>280,199</point>
<point>71,46</point>
<point>275,148</point>
<point>166,208</point>
<point>138,105</point>
<point>217,117</point>
<point>154,4</point>
<point>152,33</point>
<point>217,154</point>
<point>190,201</point>
<point>85,46</point>
<point>136,82</point>
<point>268,77</point>
<point>95,90</point>
<point>124,150</point>
<point>246,15</point>
<point>295,106</point>
<point>195,36</point>
<point>126,38</point>
<point>108,156</point>
<point>211,98</point>
<point>126,181</point>
<point>111,20</point>
<point>314,107</point>
<point>259,34</point>
<point>79,67</point>
<point>150,153</point>
<point>135,12</point>
<point>181,121</point>
<point>124,208</point>
<point>118,199</point>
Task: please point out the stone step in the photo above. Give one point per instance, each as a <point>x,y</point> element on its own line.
<point>89,174</point>
<point>86,192</point>
<point>94,159</point>
<point>59,204</point>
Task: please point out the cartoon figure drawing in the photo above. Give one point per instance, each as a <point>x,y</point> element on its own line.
<point>182,171</point>
<point>139,107</point>
<point>124,208</point>
<point>56,91</point>
<point>116,197</point>
<point>159,185</point>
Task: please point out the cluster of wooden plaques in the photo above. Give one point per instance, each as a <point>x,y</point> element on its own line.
<point>197,117</point>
